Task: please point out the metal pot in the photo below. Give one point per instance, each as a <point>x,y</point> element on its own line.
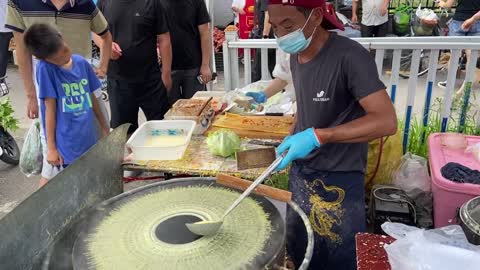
<point>470,220</point>
<point>66,253</point>
<point>270,256</point>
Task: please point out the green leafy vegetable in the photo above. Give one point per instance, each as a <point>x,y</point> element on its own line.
<point>223,143</point>
<point>278,180</point>
<point>6,115</point>
<point>31,158</point>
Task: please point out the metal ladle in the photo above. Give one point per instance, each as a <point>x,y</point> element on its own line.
<point>210,227</point>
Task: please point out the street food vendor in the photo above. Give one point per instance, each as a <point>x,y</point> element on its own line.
<point>342,105</point>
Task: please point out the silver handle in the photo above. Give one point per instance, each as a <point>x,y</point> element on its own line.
<point>257,182</point>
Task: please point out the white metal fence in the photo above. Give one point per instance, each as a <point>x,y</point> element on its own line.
<point>405,49</point>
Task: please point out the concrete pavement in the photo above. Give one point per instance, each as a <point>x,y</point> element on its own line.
<point>14,186</point>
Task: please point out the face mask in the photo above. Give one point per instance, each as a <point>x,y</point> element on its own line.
<point>295,42</point>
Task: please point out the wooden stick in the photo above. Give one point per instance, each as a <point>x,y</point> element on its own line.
<point>205,105</point>
<point>263,190</point>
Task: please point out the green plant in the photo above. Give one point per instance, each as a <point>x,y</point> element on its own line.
<point>7,120</point>
<point>279,180</point>
<point>418,136</point>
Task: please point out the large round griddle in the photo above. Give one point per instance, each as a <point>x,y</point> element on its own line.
<point>170,230</point>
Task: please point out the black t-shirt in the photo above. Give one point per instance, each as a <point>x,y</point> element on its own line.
<point>466,9</point>
<point>184,17</point>
<point>328,91</point>
<point>134,25</point>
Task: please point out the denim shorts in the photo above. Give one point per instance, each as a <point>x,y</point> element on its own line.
<point>455,29</point>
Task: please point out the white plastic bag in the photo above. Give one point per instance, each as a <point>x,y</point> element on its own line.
<point>412,175</point>
<point>31,157</point>
<point>440,249</point>
<point>475,150</point>
<point>426,14</point>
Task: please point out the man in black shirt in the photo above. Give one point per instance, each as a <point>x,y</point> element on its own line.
<point>342,105</point>
<point>261,12</point>
<point>134,78</point>
<point>262,30</point>
<point>189,27</point>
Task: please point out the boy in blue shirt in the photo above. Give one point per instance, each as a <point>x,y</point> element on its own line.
<point>68,106</point>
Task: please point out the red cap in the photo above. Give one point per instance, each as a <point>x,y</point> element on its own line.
<point>330,19</point>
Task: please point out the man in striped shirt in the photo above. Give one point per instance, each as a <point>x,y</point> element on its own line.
<point>75,20</point>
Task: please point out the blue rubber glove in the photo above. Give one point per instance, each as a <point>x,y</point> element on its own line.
<point>259,97</point>
<point>298,146</point>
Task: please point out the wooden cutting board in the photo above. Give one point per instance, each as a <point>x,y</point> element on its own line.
<point>250,134</point>
<point>256,127</point>
<point>188,107</point>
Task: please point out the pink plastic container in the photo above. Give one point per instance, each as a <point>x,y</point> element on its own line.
<point>449,196</point>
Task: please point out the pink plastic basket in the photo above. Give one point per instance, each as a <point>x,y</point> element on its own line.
<point>449,196</point>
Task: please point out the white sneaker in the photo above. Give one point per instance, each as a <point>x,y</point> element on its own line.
<point>442,85</point>
<point>3,88</point>
<point>459,92</point>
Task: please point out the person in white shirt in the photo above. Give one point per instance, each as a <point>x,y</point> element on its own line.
<point>238,9</point>
<point>282,81</point>
<point>5,37</point>
<point>374,17</point>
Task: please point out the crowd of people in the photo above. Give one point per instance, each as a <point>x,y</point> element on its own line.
<point>53,46</point>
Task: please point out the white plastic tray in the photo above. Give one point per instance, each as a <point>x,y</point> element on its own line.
<point>141,152</point>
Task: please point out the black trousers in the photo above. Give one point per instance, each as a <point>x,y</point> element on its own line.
<point>257,64</point>
<point>334,202</point>
<point>184,84</point>
<point>126,98</point>
<point>375,30</point>
<point>4,54</point>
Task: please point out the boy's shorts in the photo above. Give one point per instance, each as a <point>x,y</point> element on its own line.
<point>48,170</point>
